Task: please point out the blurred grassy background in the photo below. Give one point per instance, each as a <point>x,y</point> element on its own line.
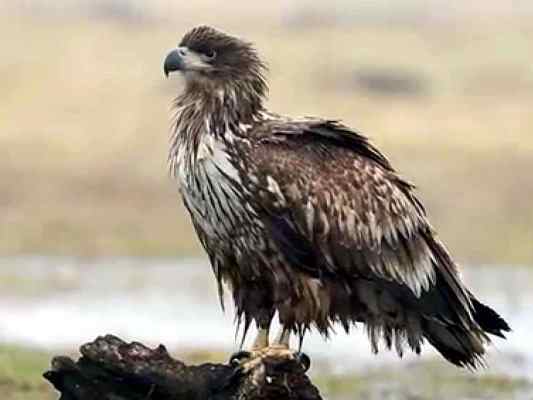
<point>444,88</point>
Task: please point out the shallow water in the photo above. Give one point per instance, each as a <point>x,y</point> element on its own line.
<point>59,303</point>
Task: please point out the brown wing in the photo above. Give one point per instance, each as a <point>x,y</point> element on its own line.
<point>335,206</point>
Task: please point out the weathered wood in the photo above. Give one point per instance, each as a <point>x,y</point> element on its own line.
<point>111,369</point>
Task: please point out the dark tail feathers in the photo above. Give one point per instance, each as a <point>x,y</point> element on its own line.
<point>463,346</point>
<point>455,322</point>
<point>488,319</point>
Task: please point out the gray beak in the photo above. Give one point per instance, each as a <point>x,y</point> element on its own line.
<point>173,62</point>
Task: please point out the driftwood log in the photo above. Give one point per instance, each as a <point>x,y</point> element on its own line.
<point>111,369</point>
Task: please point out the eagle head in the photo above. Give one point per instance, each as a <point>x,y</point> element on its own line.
<point>216,60</point>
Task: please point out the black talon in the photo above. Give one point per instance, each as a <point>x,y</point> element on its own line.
<point>237,358</point>
<point>304,360</point>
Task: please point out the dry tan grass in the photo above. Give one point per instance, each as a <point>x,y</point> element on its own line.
<point>84,118</point>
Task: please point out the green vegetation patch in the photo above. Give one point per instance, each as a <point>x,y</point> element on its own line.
<point>422,381</point>
<point>21,374</point>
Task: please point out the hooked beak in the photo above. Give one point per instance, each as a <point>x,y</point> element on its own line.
<point>173,62</point>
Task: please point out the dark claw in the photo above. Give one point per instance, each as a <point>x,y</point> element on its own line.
<point>237,358</point>
<point>304,360</point>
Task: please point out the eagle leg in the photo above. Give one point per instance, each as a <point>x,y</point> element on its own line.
<point>283,338</point>
<point>261,342</point>
<point>262,339</point>
<point>279,349</point>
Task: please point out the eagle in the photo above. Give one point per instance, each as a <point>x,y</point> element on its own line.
<point>305,219</point>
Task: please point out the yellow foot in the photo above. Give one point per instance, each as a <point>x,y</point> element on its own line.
<point>249,360</point>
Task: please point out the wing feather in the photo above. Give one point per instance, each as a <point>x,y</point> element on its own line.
<point>345,204</point>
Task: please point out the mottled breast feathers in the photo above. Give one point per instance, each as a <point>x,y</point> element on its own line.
<point>334,205</point>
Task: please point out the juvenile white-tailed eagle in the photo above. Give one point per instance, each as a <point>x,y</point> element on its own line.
<point>306,218</point>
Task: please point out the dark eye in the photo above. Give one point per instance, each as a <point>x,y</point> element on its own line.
<point>210,54</point>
